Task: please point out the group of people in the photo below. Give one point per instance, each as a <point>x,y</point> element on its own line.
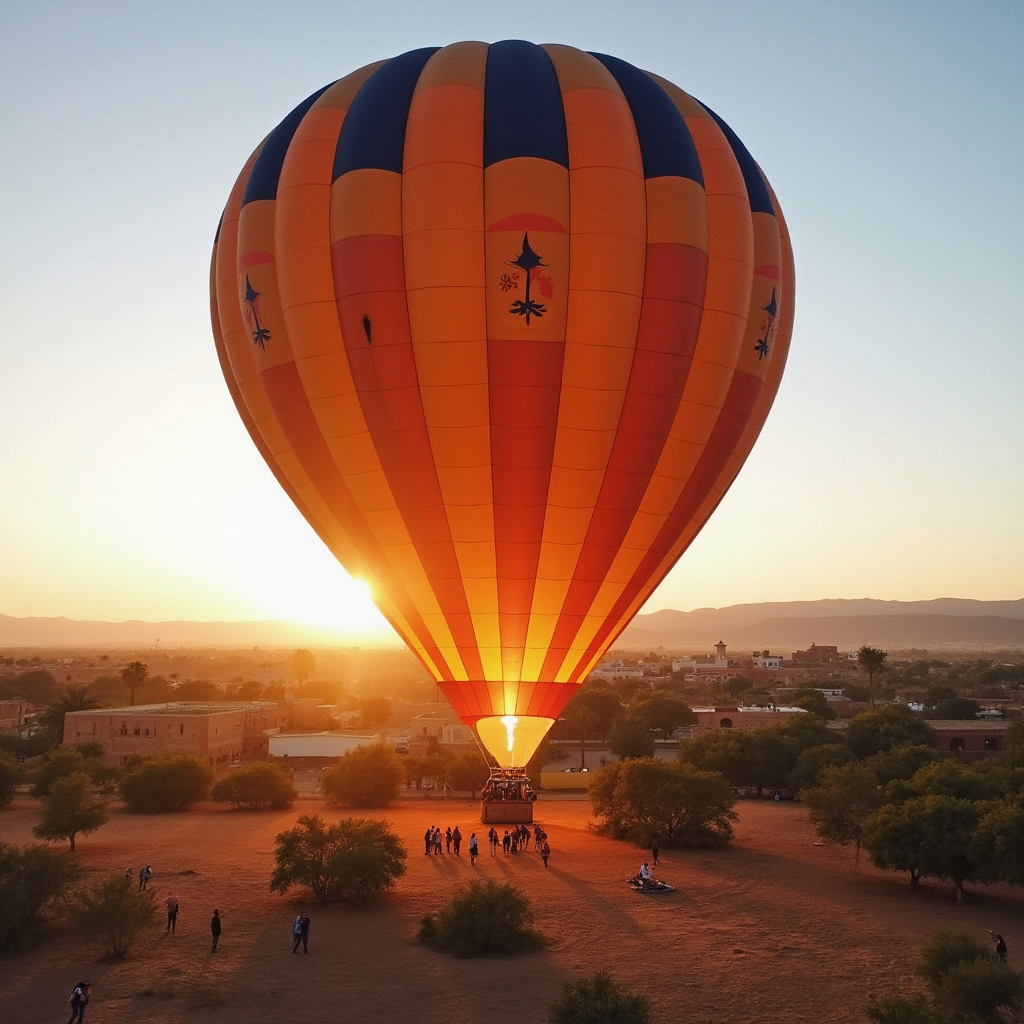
<point>434,839</point>
<point>145,874</point>
<point>513,841</point>
<point>508,789</point>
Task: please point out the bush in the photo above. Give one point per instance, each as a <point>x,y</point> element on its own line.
<point>643,798</point>
<point>900,1010</point>
<point>11,774</point>
<point>984,990</point>
<point>364,777</point>
<point>113,913</point>
<point>355,861</point>
<point>32,881</point>
<point>69,810</point>
<point>597,999</point>
<point>259,785</point>
<point>483,918</point>
<point>944,950</point>
<point>165,784</point>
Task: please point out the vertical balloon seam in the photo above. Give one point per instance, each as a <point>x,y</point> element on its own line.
<point>391,600</point>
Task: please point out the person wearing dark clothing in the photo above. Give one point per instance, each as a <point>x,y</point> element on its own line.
<point>545,852</point>
<point>654,852</point>
<point>448,839</point>
<point>215,930</point>
<point>525,833</point>
<point>506,842</point>
<point>172,913</point>
<point>1000,945</point>
<point>474,849</point>
<point>428,840</point>
<point>144,876</point>
<point>300,932</point>
<point>457,840</point>
<point>79,999</point>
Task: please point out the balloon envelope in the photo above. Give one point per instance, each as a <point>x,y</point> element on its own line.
<point>504,321</point>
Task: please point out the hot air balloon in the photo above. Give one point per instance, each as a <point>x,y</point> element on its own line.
<point>504,321</point>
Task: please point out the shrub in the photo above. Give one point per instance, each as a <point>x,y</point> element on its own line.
<point>984,990</point>
<point>113,913</point>
<point>901,1010</point>
<point>364,777</point>
<point>944,950</point>
<point>259,785</point>
<point>69,810</point>
<point>483,918</point>
<point>11,774</point>
<point>355,861</point>
<point>165,784</point>
<point>32,881</point>
<point>597,999</point>
<point>643,798</point>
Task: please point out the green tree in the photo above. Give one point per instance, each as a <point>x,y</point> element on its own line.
<point>901,762</point>
<point>642,798</point>
<point>814,701</point>
<point>11,774</point>
<point>33,880</point>
<point>256,786</point>
<point>721,751</point>
<point>604,703</point>
<point>198,689</point>
<point>374,711</point>
<point>947,778</point>
<point>872,660</point>
<point>631,737</point>
<point>134,676</point>
<point>483,919</point>
<point>880,729</point>
<point>813,761</point>
<point>999,843</point>
<point>303,664</point>
<point>955,709</point>
<point>364,777</point>
<point>70,810</point>
<point>927,836</point>
<point>430,766</point>
<point>113,913</point>
<point>598,999</point>
<point>842,801</point>
<point>663,711</point>
<point>580,719</point>
<point>355,861</point>
<point>59,764</point>
<point>165,784</point>
<point>469,771</point>
<point>74,698</point>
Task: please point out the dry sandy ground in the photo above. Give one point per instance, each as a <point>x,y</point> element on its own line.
<point>775,929</point>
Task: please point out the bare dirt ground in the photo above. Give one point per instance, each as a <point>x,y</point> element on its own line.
<point>775,929</point>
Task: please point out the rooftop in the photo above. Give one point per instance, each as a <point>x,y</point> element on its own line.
<point>184,707</point>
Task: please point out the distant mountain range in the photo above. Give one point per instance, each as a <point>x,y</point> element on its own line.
<point>847,624</point>
<point>778,626</point>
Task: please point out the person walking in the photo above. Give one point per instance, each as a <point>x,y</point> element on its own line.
<point>474,849</point>
<point>654,851</point>
<point>1000,945</point>
<point>296,933</point>
<point>524,832</point>
<point>144,876</point>
<point>545,852</point>
<point>300,933</point>
<point>457,840</point>
<point>215,930</point>
<point>305,932</point>
<point>172,913</point>
<point>79,1000</point>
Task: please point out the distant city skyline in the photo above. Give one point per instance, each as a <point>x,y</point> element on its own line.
<point>890,468</point>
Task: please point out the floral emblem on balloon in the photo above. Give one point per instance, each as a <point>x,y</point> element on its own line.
<point>531,277</point>
<point>260,334</point>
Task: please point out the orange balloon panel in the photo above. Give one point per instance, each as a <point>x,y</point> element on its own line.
<point>505,320</point>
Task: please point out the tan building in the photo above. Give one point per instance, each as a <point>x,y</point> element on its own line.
<point>12,715</point>
<point>220,732</point>
<point>743,718</point>
<point>971,740</point>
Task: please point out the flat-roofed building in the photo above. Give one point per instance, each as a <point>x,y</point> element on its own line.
<point>220,732</point>
<point>12,715</point>
<point>971,740</point>
<point>733,717</point>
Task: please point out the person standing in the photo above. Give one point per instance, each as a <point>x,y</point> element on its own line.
<point>545,851</point>
<point>1000,945</point>
<point>215,930</point>
<point>457,840</point>
<point>79,1000</point>
<point>448,839</point>
<point>428,840</point>
<point>474,849</point>
<point>300,932</point>
<point>296,933</point>
<point>524,832</point>
<point>654,851</point>
<point>492,838</point>
<point>144,876</point>
<point>172,913</point>
<point>506,842</point>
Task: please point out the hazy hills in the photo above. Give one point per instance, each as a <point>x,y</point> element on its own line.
<point>779,626</point>
<point>945,622</point>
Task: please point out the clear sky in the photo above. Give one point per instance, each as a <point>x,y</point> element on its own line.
<point>891,466</point>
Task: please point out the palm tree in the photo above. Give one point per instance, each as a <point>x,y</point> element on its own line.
<point>872,660</point>
<point>74,698</point>
<point>134,675</point>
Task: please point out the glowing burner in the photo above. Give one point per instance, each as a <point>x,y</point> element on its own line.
<point>512,739</point>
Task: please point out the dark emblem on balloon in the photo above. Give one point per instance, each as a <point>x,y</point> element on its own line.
<point>260,334</point>
<point>368,329</point>
<point>529,263</point>
<point>762,347</point>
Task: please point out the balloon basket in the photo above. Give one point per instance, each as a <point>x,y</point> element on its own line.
<point>507,798</point>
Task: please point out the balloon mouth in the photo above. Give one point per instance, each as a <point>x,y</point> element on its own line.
<point>512,739</point>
